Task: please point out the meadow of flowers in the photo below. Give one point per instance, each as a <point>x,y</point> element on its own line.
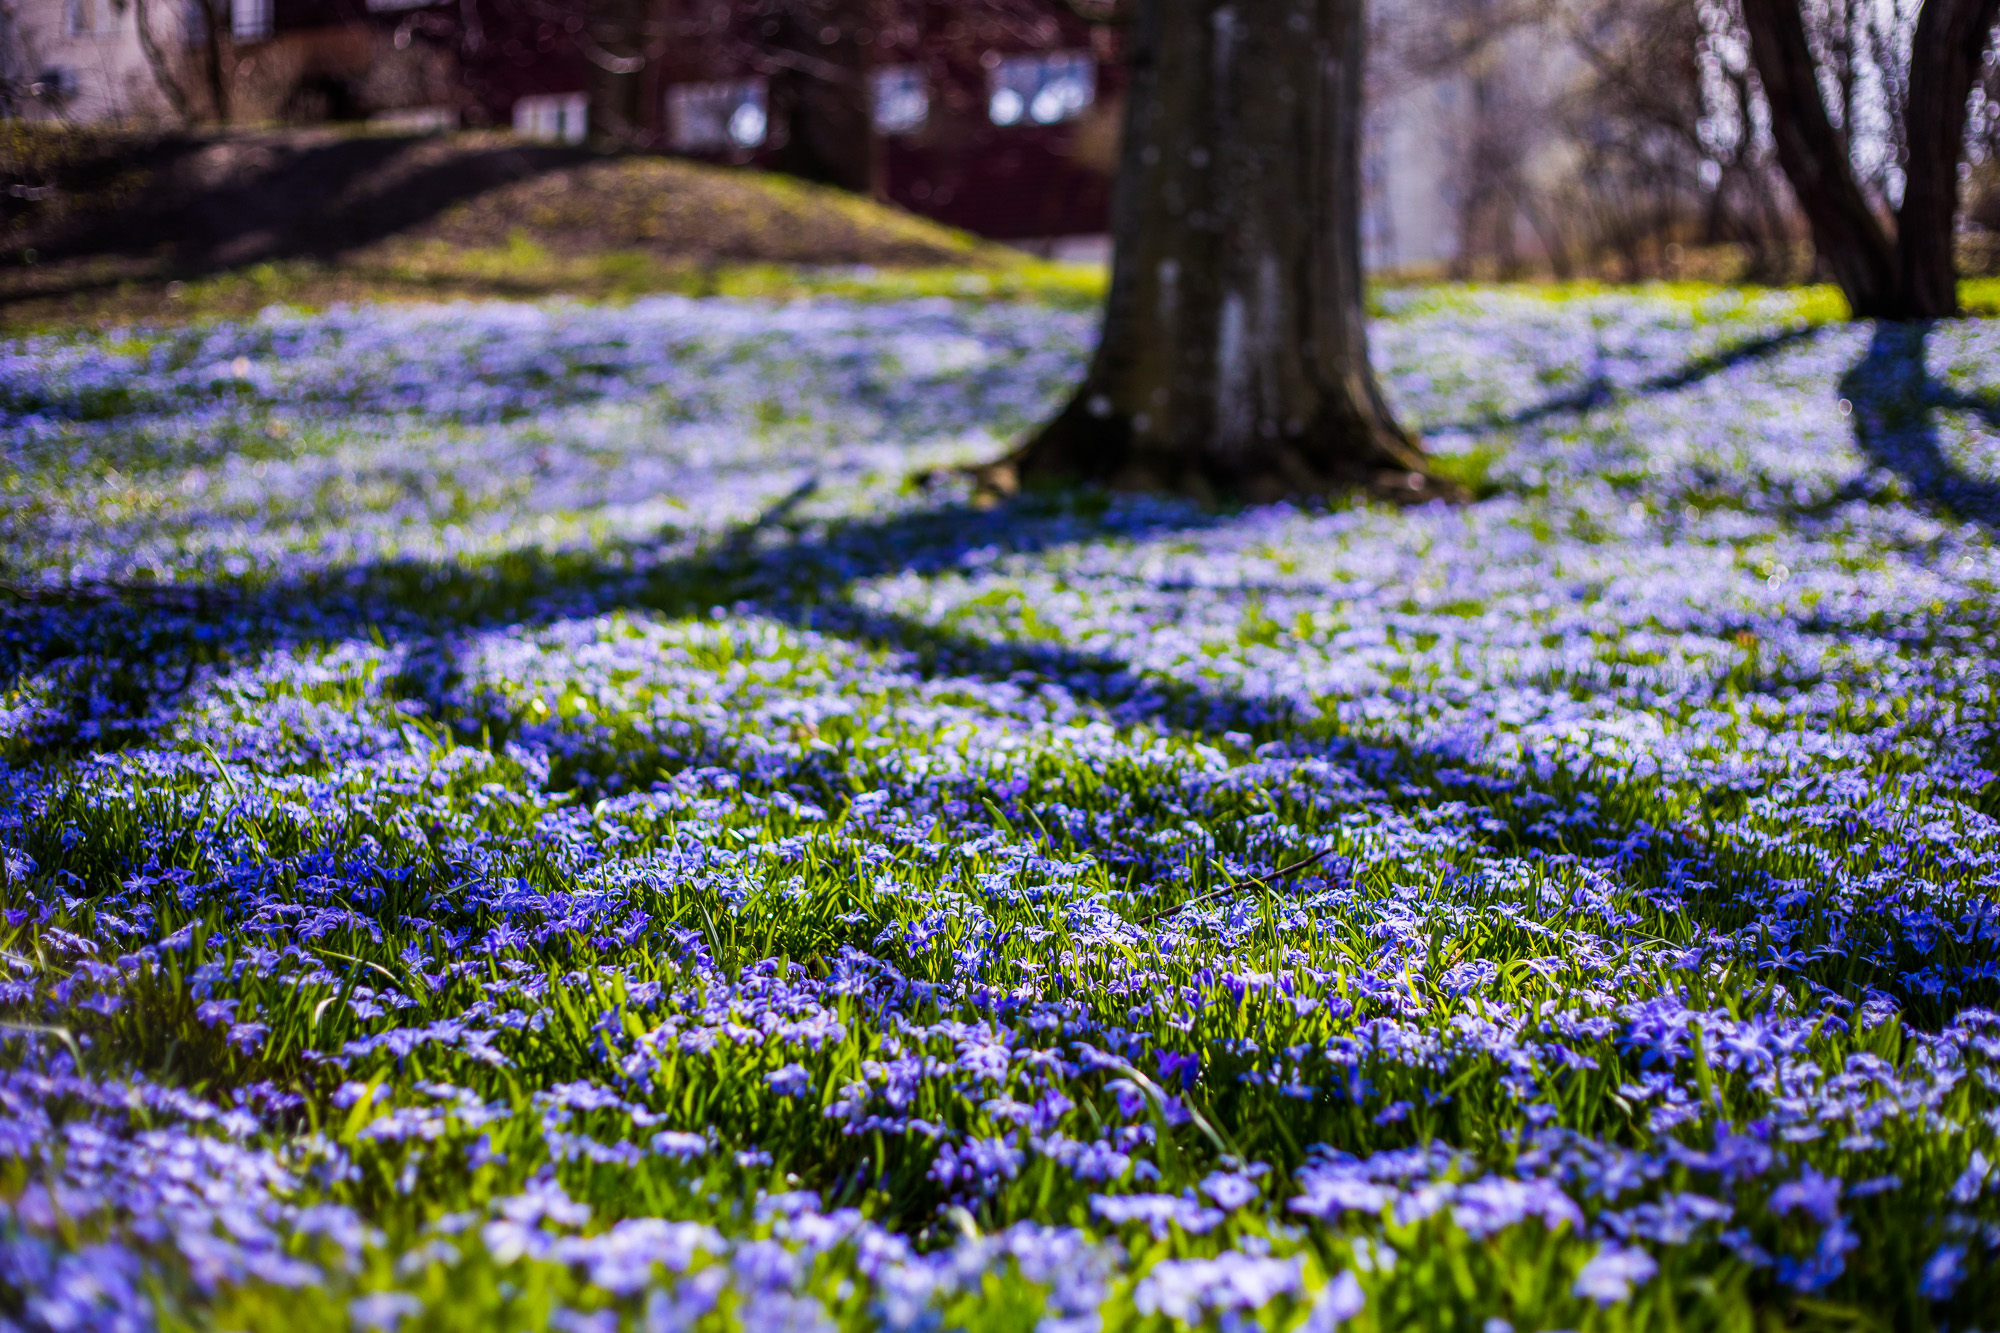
<point>524,817</point>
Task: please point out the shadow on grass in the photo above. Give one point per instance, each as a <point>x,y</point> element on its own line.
<point>1896,404</point>
<point>127,653</point>
<point>1601,392</point>
<point>293,201</point>
<point>128,663</point>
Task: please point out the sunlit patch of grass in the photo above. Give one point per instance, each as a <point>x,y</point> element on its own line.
<point>1470,467</point>
<point>1980,297</point>
<point>530,272</point>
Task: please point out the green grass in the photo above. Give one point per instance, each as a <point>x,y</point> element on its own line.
<point>930,780</point>
<point>530,272</point>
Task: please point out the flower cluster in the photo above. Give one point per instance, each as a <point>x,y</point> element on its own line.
<point>518,815</point>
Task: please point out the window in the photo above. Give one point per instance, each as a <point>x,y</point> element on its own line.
<point>559,117</point>
<point>249,20</point>
<point>56,84</point>
<point>1040,89</point>
<point>900,98</point>
<point>716,117</point>
<point>76,17</point>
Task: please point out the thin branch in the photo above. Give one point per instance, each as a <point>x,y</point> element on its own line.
<point>587,46</point>
<point>1283,872</point>
<point>163,76</point>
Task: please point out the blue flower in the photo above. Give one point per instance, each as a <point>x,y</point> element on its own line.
<point>1611,1274</point>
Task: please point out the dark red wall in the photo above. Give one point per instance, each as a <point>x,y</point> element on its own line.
<point>1008,182</point>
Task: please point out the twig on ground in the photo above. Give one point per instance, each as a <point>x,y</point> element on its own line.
<point>1268,882</point>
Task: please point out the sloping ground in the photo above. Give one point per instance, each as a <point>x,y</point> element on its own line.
<point>694,212</point>
<point>95,224</point>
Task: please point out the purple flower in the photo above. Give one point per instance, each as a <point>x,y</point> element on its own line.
<point>382,1310</point>
<point>1943,1272</point>
<point>565,1320</point>
<point>1131,1099</point>
<point>1327,1195</point>
<point>679,1143</point>
<point>1161,1213</point>
<point>248,1037</point>
<point>678,1309</point>
<point>1482,1207</point>
<point>1177,1068</point>
<point>1817,1195</point>
<point>1338,1301</point>
<point>1229,1189</point>
<point>1828,1260</point>
<point>978,1166</point>
<point>1612,1273</point>
<point>790,1081</point>
<point>1185,1289</point>
<point>443,761</point>
<point>1971,1182</point>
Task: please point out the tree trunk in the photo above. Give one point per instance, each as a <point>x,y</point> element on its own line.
<point>1234,358</point>
<point>218,57</point>
<point>1909,275</point>
<point>1846,233</point>
<point>819,95</point>
<point>613,42</point>
<point>1950,39</point>
<point>165,77</point>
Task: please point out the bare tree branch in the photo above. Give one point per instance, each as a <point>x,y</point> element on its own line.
<point>1848,235</point>
<point>164,76</point>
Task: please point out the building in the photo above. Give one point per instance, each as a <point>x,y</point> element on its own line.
<point>999,116</point>
<point>78,59</point>
<point>1003,116</point>
<point>299,61</point>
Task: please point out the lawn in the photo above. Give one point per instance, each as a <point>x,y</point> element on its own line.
<point>524,816</point>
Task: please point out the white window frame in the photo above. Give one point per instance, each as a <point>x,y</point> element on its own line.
<point>899,98</point>
<point>56,84</point>
<point>718,116</point>
<point>553,117</point>
<point>1040,88</point>
<point>250,21</point>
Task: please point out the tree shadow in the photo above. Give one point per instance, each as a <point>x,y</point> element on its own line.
<point>280,200</point>
<point>124,659</point>
<point>1895,405</point>
<point>1601,391</point>
<point>806,575</point>
<point>125,654</point>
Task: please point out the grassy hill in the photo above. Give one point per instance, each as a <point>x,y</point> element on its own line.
<point>97,226</point>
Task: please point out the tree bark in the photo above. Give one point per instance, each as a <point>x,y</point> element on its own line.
<point>613,42</point>
<point>1945,57</point>
<point>1846,233</point>
<point>1910,274</point>
<point>819,94</point>
<point>1234,357</point>
<point>217,57</point>
<point>164,75</point>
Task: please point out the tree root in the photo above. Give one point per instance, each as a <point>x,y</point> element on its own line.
<point>1001,479</point>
